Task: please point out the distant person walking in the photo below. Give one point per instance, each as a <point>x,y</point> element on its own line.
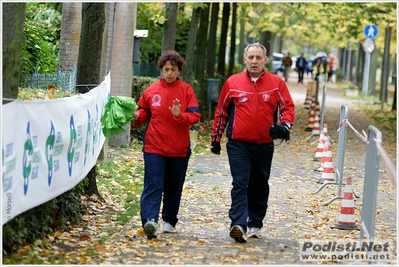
<point>301,66</point>
<point>309,68</point>
<point>287,63</point>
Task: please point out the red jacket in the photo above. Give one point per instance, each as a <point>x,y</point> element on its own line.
<point>249,107</point>
<point>167,135</point>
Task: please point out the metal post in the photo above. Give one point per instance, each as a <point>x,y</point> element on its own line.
<point>370,190</point>
<point>368,46</point>
<point>366,73</point>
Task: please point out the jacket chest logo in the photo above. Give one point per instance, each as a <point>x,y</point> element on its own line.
<point>156,101</point>
<point>266,97</point>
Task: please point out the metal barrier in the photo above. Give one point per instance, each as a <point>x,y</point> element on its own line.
<point>370,190</point>
<point>340,155</point>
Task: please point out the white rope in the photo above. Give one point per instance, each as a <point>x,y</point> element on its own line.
<point>388,162</point>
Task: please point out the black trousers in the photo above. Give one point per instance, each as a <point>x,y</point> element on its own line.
<point>250,166</point>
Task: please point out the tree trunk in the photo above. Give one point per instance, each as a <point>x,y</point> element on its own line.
<point>372,86</point>
<point>394,76</point>
<point>223,41</point>
<point>13,36</point>
<point>89,62</point>
<point>242,37</point>
<point>122,60</point>
<point>385,65</point>
<point>70,35</point>
<point>394,98</point>
<point>169,27</point>
<point>190,50</point>
<point>210,63</point>
<point>233,40</point>
<point>202,49</point>
<point>266,39</point>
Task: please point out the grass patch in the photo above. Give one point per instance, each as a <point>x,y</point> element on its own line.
<point>123,177</point>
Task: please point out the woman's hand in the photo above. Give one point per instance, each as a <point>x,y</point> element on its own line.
<point>176,108</point>
<point>136,115</point>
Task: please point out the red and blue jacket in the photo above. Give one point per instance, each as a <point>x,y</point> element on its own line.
<point>249,108</point>
<point>167,135</point>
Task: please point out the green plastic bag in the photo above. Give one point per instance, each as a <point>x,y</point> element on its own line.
<point>118,112</point>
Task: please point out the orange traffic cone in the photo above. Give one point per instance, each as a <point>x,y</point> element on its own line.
<point>316,125</point>
<point>311,118</point>
<point>328,169</point>
<point>308,101</point>
<point>346,218</point>
<point>320,147</point>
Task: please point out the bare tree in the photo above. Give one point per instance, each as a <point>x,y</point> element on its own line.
<point>70,34</point>
<point>13,36</point>
<point>233,40</point>
<point>223,40</point>
<point>190,49</point>
<point>89,62</point>
<point>210,63</point>
<point>169,27</point>
<point>202,49</point>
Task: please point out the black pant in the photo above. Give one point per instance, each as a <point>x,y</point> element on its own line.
<point>301,72</point>
<point>250,166</point>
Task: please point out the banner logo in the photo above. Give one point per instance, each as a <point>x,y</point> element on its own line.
<point>49,153</point>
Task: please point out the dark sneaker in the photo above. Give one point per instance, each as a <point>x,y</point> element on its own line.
<point>150,229</point>
<point>237,232</point>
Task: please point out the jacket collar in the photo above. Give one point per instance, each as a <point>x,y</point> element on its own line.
<point>163,81</point>
<point>262,74</point>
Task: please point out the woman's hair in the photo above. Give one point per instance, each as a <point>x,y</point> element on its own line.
<point>174,58</point>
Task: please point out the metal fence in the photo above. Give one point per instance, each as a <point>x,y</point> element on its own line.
<point>62,79</point>
<point>67,79</point>
<point>146,70</point>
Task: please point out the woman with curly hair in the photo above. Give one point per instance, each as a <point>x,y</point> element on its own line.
<point>170,107</point>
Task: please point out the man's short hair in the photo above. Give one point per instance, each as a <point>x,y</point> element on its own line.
<point>257,44</point>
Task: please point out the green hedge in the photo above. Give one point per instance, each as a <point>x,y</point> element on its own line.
<point>47,218</point>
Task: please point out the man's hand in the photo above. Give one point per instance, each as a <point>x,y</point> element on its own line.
<point>280,131</point>
<point>215,148</point>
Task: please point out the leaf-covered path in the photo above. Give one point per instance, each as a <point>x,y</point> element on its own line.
<point>295,213</point>
<point>201,237</point>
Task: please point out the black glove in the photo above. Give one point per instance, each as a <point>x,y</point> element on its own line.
<point>215,148</point>
<point>280,131</point>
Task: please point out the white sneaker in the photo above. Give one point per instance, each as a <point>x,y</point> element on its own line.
<point>237,232</point>
<point>150,229</point>
<point>254,232</point>
<point>167,227</point>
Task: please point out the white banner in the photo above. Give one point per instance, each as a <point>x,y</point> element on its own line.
<point>48,147</point>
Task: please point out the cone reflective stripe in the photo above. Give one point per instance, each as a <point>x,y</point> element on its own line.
<point>320,147</point>
<point>327,169</point>
<point>308,101</point>
<point>311,118</point>
<point>346,219</point>
<point>307,95</point>
<point>316,125</point>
